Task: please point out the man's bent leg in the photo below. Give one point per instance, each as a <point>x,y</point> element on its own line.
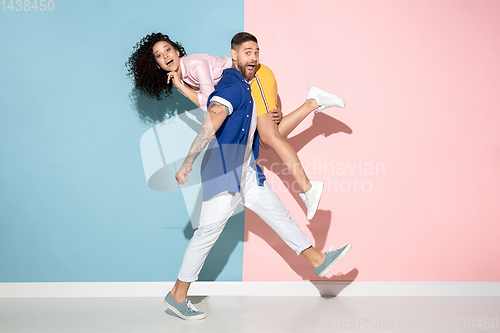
<point>264,202</point>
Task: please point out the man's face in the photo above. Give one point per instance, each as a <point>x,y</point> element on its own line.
<point>247,59</point>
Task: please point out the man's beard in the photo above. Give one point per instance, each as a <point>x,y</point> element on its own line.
<point>243,70</point>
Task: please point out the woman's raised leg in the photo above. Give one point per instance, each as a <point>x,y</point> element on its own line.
<point>316,99</point>
<point>270,137</point>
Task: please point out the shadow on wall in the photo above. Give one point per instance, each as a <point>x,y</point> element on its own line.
<point>151,111</point>
<point>219,255</point>
<point>322,125</point>
<point>319,226</point>
<point>223,248</point>
<point>319,229</point>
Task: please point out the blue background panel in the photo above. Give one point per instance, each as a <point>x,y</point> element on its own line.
<point>74,203</point>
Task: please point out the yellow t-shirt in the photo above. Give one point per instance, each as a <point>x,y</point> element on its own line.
<point>264,90</point>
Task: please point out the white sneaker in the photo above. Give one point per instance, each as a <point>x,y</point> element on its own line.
<point>324,99</point>
<point>311,197</point>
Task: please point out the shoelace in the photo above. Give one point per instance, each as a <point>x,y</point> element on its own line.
<point>304,198</point>
<point>332,249</point>
<point>191,306</point>
<point>321,108</point>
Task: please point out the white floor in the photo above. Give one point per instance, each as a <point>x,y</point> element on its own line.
<point>253,314</point>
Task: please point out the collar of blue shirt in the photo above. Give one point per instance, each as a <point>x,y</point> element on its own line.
<point>236,72</point>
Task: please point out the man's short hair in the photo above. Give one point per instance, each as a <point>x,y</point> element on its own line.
<point>242,37</point>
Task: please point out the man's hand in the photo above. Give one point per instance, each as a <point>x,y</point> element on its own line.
<point>182,175</point>
<point>276,115</point>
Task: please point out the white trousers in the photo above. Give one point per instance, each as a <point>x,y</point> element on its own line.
<point>215,212</point>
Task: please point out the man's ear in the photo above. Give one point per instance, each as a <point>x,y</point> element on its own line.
<point>234,54</point>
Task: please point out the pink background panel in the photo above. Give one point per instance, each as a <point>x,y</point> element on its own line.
<point>411,165</point>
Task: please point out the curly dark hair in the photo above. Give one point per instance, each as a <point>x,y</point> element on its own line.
<point>143,69</point>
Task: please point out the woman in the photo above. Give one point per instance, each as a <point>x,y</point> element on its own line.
<point>158,63</point>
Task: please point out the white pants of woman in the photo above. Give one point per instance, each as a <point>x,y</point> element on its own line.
<point>215,212</point>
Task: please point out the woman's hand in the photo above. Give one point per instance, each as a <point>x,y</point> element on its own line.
<point>174,77</point>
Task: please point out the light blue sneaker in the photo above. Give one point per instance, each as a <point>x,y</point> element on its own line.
<point>331,258</point>
<point>185,310</point>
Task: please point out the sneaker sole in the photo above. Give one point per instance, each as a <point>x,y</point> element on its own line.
<point>342,255</point>
<point>316,208</point>
<point>174,310</point>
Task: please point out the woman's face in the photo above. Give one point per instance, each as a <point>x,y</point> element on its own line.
<point>166,56</point>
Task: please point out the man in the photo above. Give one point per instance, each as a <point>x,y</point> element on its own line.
<point>230,176</point>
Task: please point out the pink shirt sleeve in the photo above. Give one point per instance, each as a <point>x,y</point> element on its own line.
<point>205,82</point>
<point>203,71</point>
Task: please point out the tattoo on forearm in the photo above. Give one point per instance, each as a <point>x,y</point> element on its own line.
<point>207,132</point>
<point>203,138</point>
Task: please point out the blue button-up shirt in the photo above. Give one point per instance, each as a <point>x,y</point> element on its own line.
<point>221,167</point>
